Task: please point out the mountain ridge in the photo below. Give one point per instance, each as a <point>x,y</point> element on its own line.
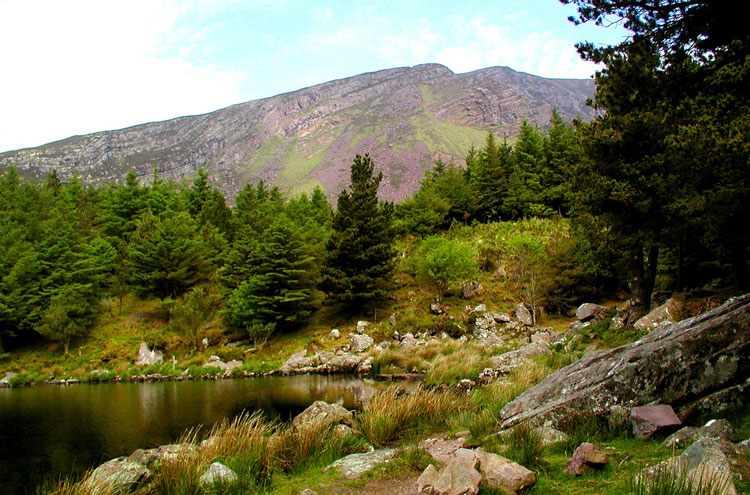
<point>405,117</point>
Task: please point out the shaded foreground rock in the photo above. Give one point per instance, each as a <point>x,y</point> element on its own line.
<point>675,364</point>
<point>118,474</point>
<point>716,428</point>
<point>706,463</point>
<point>466,469</point>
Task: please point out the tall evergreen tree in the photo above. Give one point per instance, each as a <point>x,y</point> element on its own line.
<point>488,173</point>
<point>359,260</point>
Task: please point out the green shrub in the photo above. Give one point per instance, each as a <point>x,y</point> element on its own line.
<point>526,447</point>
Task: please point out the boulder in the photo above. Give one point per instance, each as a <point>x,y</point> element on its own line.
<point>661,315</point>
<point>650,420</point>
<point>119,474</point>
<point>675,364</point>
<point>503,474</point>
<point>392,319</point>
<point>586,457</point>
<point>217,473</point>
<point>360,342</point>
<point>335,334</point>
<point>502,317</point>
<point>5,381</point>
<point>426,480</point>
<point>707,462</point>
<point>719,403</point>
<point>321,414</point>
<point>355,465</point>
<point>460,476</point>
<point>716,428</point>
<point>508,361</point>
<point>484,325</point>
<point>436,309</point>
<point>365,367</point>
<point>543,334</point>
<point>471,289</point>
<point>523,315</point>
<point>589,311</point>
<point>362,326</point>
<point>216,362</point>
<point>441,449</point>
<point>344,363</point>
<point>408,341</point>
<point>147,357</point>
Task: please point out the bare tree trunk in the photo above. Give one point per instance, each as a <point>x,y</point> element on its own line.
<point>641,279</point>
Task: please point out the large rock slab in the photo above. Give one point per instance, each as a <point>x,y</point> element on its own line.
<point>345,363</point>
<point>674,364</point>
<point>441,449</point>
<point>360,342</point>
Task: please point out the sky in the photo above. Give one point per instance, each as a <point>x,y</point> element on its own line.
<point>79,66</point>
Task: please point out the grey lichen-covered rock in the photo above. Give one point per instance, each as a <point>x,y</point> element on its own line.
<point>360,342</point>
<point>217,473</point>
<point>471,289</point>
<point>523,315</point>
<point>362,326</point>
<point>321,414</point>
<point>355,465</point>
<point>5,381</point>
<point>118,474</point>
<point>484,325</point>
<point>335,334</point>
<point>308,491</point>
<point>716,428</point>
<point>675,364</point>
<point>216,362</point>
<point>147,357</point>
<point>408,341</point>
<point>719,403</point>
<point>508,361</point>
<point>344,363</point>
<point>460,476</point>
<point>710,464</point>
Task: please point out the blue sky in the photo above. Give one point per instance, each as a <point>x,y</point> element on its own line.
<point>79,66</point>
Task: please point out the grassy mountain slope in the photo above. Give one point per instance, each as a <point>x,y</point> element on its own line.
<point>405,118</point>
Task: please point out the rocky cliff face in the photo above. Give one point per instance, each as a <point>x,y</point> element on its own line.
<point>405,118</point>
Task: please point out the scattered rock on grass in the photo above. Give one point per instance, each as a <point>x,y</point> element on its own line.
<point>589,311</point>
<point>716,428</point>
<point>321,414</point>
<point>147,357</point>
<point>586,457</point>
<point>355,465</point>
<point>217,473</point>
<point>120,474</point>
<point>360,342</point>
<point>503,474</point>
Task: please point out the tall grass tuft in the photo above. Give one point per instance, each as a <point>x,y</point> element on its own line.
<point>526,447</point>
<point>675,480</point>
<point>390,416</point>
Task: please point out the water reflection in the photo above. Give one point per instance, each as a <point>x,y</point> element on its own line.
<point>53,431</point>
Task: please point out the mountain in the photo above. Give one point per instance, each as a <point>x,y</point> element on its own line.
<point>406,118</point>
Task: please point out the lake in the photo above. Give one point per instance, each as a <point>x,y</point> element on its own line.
<point>56,431</point>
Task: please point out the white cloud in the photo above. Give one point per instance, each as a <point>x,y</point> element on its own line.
<point>83,66</point>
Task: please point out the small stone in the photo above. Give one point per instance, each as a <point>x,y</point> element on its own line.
<point>335,334</point>
<point>471,289</point>
<point>355,465</point>
<point>585,458</point>
<point>436,309</point>
<point>392,319</point>
<point>217,473</point>
<point>307,491</point>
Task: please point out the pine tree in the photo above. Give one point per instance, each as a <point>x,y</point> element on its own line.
<point>489,178</point>
<point>278,291</point>
<point>360,254</point>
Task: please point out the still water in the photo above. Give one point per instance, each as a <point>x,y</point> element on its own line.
<point>48,432</point>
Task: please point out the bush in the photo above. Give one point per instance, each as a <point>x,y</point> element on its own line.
<point>439,262</point>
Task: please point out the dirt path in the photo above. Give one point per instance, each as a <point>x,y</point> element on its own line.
<point>398,486</point>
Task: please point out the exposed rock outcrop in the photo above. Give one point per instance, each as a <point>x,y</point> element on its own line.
<point>675,364</point>
<point>147,357</point>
